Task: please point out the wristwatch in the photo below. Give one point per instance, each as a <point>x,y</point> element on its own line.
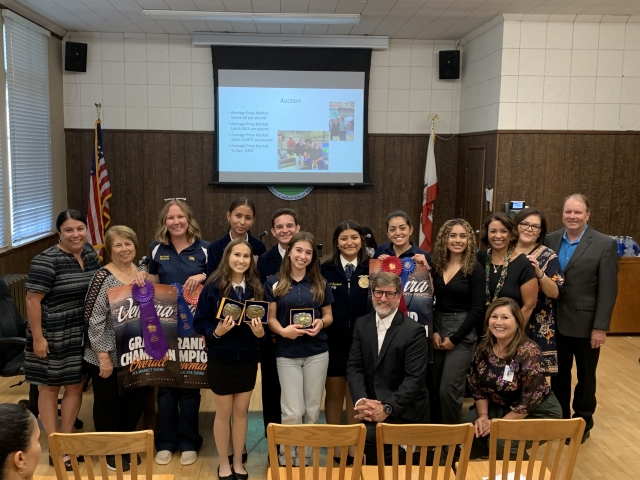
<point>388,409</point>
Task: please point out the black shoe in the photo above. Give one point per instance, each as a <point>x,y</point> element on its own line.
<point>127,456</point>
<point>585,435</point>
<point>349,462</point>
<point>67,463</point>
<point>111,463</point>
<point>227,477</point>
<point>241,476</point>
<point>245,456</point>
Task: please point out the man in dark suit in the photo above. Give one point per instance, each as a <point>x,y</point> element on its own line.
<point>590,263</point>
<point>387,366</point>
<point>284,224</point>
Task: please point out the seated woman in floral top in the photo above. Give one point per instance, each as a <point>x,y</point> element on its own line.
<point>506,377</point>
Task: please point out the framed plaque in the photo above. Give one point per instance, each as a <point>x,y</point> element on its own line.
<point>230,308</point>
<point>256,309</point>
<point>302,316</point>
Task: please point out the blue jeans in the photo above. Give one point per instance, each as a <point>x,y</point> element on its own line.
<point>178,412</point>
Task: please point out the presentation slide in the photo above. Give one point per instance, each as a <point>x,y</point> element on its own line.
<point>290,127</point>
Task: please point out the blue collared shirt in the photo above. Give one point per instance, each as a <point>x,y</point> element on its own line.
<point>567,248</point>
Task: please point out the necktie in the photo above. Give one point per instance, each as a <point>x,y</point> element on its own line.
<point>348,270</point>
<point>239,293</point>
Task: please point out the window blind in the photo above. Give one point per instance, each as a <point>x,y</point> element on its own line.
<point>27,70</point>
<point>3,238</point>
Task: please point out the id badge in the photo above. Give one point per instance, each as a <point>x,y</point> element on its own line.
<point>507,376</point>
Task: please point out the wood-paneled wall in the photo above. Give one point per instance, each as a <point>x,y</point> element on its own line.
<point>146,167</point>
<point>544,167</point>
<point>17,260</point>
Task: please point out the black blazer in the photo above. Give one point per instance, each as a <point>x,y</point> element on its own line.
<point>590,283</point>
<point>398,375</point>
<point>269,263</point>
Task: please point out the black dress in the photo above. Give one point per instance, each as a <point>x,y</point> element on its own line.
<point>519,272</point>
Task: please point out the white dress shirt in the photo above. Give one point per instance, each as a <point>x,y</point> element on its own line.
<point>382,325</point>
<point>345,262</point>
<point>282,251</point>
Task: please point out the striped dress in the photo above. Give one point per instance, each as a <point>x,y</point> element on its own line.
<point>57,275</point>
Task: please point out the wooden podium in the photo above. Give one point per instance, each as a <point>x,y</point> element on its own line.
<point>626,314</point>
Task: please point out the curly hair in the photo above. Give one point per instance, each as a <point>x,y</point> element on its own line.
<point>162,233</point>
<point>440,253</point>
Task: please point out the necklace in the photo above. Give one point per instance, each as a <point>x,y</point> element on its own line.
<point>503,275</point>
<point>495,268</point>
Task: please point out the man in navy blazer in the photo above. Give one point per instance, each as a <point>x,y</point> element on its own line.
<point>387,366</point>
<point>590,263</point>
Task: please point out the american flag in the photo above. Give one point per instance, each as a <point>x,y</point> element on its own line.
<point>98,216</point>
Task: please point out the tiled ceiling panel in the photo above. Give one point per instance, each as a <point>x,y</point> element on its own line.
<point>420,19</point>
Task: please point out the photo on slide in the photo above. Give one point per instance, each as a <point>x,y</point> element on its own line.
<point>341,121</point>
<point>303,150</point>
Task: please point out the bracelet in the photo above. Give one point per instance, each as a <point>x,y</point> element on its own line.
<point>541,276</point>
<point>217,337</point>
<point>322,322</point>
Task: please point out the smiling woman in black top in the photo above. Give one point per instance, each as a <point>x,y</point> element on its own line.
<point>348,275</point>
<point>458,282</point>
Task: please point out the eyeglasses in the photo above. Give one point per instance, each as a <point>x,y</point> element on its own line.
<point>175,198</point>
<point>527,225</point>
<point>380,293</point>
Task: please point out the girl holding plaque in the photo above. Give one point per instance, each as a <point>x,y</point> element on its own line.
<point>241,216</point>
<point>348,275</point>
<point>299,309</point>
<point>112,412</point>
<point>178,255</point>
<point>232,348</point>
<point>458,286</point>
<point>399,230</point>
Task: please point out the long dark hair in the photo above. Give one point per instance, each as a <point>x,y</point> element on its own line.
<point>242,201</point>
<point>222,275</point>
<point>16,428</point>
<point>313,271</point>
<point>488,341</point>
<point>348,225</point>
<point>399,213</point>
<point>524,213</point>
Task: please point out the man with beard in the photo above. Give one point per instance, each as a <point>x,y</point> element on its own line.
<point>387,365</point>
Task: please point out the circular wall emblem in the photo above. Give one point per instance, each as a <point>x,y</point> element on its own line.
<point>290,192</point>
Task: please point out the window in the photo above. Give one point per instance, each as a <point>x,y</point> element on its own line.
<point>28,139</point>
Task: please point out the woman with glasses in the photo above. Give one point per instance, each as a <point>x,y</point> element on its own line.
<point>458,287</point>
<point>507,272</point>
<point>532,229</point>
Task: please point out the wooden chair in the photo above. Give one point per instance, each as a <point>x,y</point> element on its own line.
<point>425,437</point>
<point>316,436</point>
<point>553,432</point>
<point>101,445</point>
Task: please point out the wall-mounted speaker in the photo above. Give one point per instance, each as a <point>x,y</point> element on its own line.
<point>75,58</point>
<point>449,64</point>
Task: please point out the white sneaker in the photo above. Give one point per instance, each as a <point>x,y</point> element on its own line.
<point>188,457</point>
<point>163,457</point>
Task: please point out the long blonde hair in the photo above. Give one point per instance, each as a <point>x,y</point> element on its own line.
<point>318,283</point>
<point>162,234</point>
<point>440,253</point>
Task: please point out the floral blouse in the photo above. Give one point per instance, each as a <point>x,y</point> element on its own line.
<point>524,392</point>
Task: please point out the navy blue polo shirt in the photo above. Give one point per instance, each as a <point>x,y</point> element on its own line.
<point>174,267</point>
<point>387,249</point>
<point>216,250</point>
<point>299,296</point>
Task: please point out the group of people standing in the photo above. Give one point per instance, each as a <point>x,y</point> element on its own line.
<point>308,155</point>
<point>504,319</point>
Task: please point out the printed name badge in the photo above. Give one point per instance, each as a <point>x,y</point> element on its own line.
<point>507,376</point>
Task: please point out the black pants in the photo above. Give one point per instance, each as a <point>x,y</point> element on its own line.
<point>271,409</point>
<point>113,412</point>
<point>584,395</point>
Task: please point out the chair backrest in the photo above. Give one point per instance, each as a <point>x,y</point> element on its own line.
<point>11,325</point>
<point>101,445</point>
<point>425,437</point>
<point>316,436</point>
<point>552,432</point>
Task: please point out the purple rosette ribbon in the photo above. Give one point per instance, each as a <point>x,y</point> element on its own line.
<point>155,343</point>
<point>185,317</point>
